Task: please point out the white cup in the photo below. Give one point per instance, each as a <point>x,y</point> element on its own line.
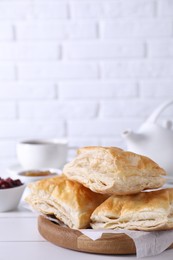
<point>39,154</point>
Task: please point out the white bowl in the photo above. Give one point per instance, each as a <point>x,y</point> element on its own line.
<point>10,197</point>
<point>27,179</point>
<point>36,154</point>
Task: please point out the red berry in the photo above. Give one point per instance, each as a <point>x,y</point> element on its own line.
<point>9,183</point>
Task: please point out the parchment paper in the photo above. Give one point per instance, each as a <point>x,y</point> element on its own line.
<point>147,243</point>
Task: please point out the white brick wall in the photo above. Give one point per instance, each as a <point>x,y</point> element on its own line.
<point>7,71</point>
<point>82,69</point>
<point>138,68</point>
<point>15,51</point>
<point>7,110</point>
<point>112,9</point>
<point>22,90</point>
<point>60,30</point>
<point>57,70</point>
<point>160,49</point>
<point>130,27</point>
<point>100,127</point>
<point>6,31</point>
<point>104,50</point>
<point>97,89</point>
<point>159,88</point>
<point>53,110</point>
<point>24,128</point>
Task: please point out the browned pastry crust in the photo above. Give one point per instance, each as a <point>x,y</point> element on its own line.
<point>111,170</point>
<point>67,200</point>
<point>146,211</point>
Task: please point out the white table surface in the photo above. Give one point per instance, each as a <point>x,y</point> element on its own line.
<point>20,239</point>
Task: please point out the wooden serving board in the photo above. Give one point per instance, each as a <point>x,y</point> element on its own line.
<point>119,244</point>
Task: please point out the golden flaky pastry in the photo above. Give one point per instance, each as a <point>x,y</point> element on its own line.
<point>67,200</point>
<point>111,170</point>
<point>144,211</point>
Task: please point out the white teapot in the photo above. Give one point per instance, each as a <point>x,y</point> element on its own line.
<point>153,140</point>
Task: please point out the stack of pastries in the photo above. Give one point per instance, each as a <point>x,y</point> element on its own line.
<point>102,188</point>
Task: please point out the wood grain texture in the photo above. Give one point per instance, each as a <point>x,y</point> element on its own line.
<point>118,244</point>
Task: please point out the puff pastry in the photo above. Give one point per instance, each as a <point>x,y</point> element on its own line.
<point>68,201</point>
<point>111,170</point>
<point>146,211</point>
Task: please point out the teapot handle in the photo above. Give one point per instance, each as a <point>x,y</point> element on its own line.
<point>153,117</point>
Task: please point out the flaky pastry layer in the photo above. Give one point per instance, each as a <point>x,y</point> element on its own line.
<point>146,211</point>
<point>111,170</point>
<point>67,200</point>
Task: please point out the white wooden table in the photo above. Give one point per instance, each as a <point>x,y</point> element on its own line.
<point>20,240</point>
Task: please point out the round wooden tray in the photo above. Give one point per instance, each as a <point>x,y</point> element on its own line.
<point>119,244</point>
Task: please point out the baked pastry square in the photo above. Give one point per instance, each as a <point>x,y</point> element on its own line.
<point>146,211</point>
<point>69,201</point>
<point>111,170</point>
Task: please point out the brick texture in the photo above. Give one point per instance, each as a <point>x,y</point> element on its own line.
<point>57,70</point>
<point>112,9</point>
<point>104,50</point>
<point>96,89</point>
<point>57,110</point>
<point>85,70</point>
<point>22,90</point>
<point>60,30</point>
<point>29,51</point>
<point>129,27</point>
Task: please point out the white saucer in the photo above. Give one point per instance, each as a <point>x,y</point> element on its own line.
<point>17,168</point>
<point>18,172</point>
